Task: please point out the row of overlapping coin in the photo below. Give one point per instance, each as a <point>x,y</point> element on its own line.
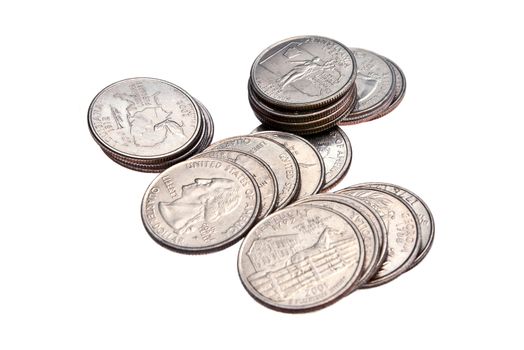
<point>320,249</point>
<point>210,201</point>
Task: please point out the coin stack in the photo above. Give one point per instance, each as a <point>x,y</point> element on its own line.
<point>148,124</point>
<point>308,84</point>
<point>303,85</point>
<point>266,171</point>
<point>319,250</point>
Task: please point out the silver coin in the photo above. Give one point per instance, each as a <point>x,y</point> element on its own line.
<point>303,72</point>
<point>144,119</point>
<point>311,166</point>
<point>400,88</point>
<point>301,258</point>
<point>203,141</point>
<point>424,216</point>
<point>261,172</point>
<point>200,205</point>
<point>402,231</point>
<point>311,126</point>
<point>209,129</point>
<point>371,235</point>
<point>279,159</point>
<point>298,115</point>
<point>335,149</point>
<point>375,85</point>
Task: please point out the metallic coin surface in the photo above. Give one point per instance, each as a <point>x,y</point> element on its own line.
<point>303,72</point>
<point>370,235</point>
<point>375,80</point>
<point>424,216</point>
<point>209,129</point>
<point>301,258</point>
<point>200,205</point>
<point>263,175</point>
<point>335,149</point>
<point>402,231</point>
<point>279,159</point>
<point>144,119</point>
<point>400,88</point>
<point>311,166</point>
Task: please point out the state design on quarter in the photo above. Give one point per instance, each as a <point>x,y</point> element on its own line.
<point>301,258</point>
<point>302,71</point>
<point>200,205</point>
<point>144,118</point>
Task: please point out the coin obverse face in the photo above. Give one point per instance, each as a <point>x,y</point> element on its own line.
<point>301,258</point>
<point>200,205</point>
<point>144,118</point>
<point>263,175</point>
<point>279,159</point>
<point>303,71</point>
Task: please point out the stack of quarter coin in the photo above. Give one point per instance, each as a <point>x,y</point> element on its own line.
<point>149,124</point>
<point>308,84</point>
<point>324,247</point>
<point>303,85</point>
<point>380,86</point>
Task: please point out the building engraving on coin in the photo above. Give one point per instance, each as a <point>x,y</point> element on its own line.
<point>300,258</point>
<point>200,205</point>
<point>144,117</point>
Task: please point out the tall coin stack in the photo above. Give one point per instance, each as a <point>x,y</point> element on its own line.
<point>308,84</point>
<point>303,85</point>
<point>148,124</point>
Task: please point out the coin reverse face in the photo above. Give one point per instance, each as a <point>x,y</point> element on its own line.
<point>310,162</point>
<point>303,72</point>
<point>402,228</point>
<point>424,216</point>
<point>200,205</point>
<point>335,149</point>
<point>301,258</point>
<point>145,119</point>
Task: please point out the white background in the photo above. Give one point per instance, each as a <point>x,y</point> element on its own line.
<point>77,269</point>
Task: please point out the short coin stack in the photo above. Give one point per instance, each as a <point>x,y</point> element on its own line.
<point>209,201</point>
<point>304,85</point>
<point>308,84</point>
<point>148,124</point>
<point>313,253</point>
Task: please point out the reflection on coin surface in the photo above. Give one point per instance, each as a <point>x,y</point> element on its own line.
<point>301,258</point>
<point>303,72</point>
<point>279,159</point>
<point>370,235</point>
<point>375,80</point>
<point>400,88</point>
<point>144,118</point>
<point>309,161</point>
<point>335,149</point>
<point>402,231</point>
<point>424,216</point>
<point>263,175</point>
<point>200,205</point>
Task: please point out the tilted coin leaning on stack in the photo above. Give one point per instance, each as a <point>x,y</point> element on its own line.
<point>308,84</point>
<point>303,249</point>
<point>148,124</point>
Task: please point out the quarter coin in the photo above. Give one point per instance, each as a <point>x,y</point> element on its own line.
<point>200,205</point>
<point>301,258</point>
